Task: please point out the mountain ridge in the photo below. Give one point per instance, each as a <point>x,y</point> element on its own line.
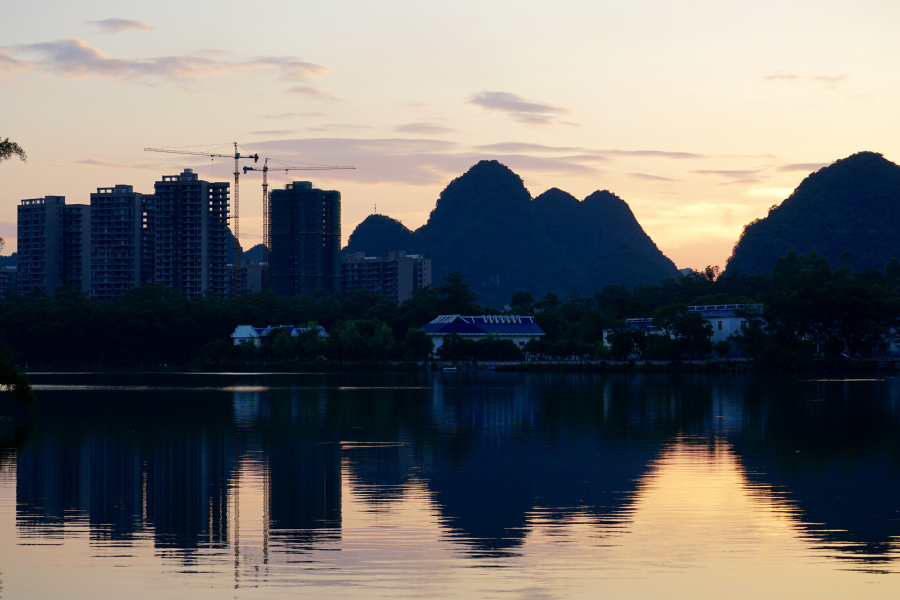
<point>486,225</point>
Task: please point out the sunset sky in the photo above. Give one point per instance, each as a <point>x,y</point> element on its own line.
<point>700,114</point>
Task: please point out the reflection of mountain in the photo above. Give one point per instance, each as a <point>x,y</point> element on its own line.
<point>840,471</point>
<point>515,452</point>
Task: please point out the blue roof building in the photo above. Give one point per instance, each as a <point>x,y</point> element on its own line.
<point>511,327</point>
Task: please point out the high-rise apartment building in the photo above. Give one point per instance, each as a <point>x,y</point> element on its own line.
<point>396,277</point>
<point>53,245</point>
<point>119,241</point>
<point>77,247</point>
<point>305,231</point>
<point>192,240</point>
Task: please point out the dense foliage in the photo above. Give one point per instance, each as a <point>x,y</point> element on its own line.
<point>486,226</point>
<point>852,205</point>
<point>811,310</point>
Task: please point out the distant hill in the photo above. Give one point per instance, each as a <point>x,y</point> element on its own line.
<point>851,205</point>
<point>254,253</point>
<point>486,225</point>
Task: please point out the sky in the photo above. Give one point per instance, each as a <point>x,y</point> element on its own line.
<point>700,114</point>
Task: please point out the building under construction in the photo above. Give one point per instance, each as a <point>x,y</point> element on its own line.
<point>305,234</point>
<point>193,244</point>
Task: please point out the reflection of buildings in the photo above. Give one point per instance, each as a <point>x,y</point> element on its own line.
<point>303,457</point>
<point>497,457</point>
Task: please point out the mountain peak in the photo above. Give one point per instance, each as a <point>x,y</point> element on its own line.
<point>851,205</point>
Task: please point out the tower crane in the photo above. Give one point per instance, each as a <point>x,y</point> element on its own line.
<point>265,186</point>
<point>237,156</point>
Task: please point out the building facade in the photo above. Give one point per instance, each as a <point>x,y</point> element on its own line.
<point>7,281</point>
<point>724,318</point>
<point>517,328</point>
<point>118,241</point>
<point>53,245</point>
<point>193,244</point>
<point>305,233</point>
<point>396,277</point>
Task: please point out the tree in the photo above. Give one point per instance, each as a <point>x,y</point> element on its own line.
<point>13,380</point>
<point>9,149</point>
<point>521,303</point>
<point>723,348</point>
<point>419,344</point>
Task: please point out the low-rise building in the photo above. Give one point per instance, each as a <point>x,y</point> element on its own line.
<point>259,336</point>
<point>517,328</point>
<point>724,318</point>
<point>396,277</point>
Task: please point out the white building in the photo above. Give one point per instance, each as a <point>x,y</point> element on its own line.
<point>723,317</point>
<point>259,336</point>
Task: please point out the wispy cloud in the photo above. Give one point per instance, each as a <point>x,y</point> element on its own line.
<point>294,114</point>
<point>731,174</point>
<point>424,128</point>
<point>77,59</point>
<point>651,154</point>
<point>809,167</point>
<point>831,82</point>
<point>529,147</point>
<point>98,161</point>
<point>647,177</point>
<point>273,132</point>
<point>116,25</point>
<point>519,109</point>
<point>411,161</point>
<point>311,92</point>
<point>10,64</point>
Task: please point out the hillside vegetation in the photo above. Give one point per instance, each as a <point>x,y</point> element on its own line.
<point>486,226</point>
<point>852,206</point>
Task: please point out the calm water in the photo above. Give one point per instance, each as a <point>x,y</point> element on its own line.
<point>489,485</point>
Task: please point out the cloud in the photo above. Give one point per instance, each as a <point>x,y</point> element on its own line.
<point>273,132</point>
<point>10,64</point>
<point>294,114</point>
<point>831,82</point>
<point>419,105</point>
<point>411,161</point>
<point>426,128</point>
<point>646,177</point>
<point>311,92</point>
<point>782,76</point>
<point>529,147</point>
<point>119,25</point>
<point>808,167</point>
<point>97,161</point>
<point>77,59</point>
<point>518,109</point>
<point>726,173</point>
<point>651,154</point>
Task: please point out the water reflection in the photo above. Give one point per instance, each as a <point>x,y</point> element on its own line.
<point>496,456</point>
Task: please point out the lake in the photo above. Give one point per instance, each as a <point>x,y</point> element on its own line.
<point>450,485</point>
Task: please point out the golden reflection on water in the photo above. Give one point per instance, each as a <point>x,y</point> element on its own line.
<point>697,528</point>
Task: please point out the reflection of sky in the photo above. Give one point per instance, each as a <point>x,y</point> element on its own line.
<point>703,520</point>
<point>696,524</point>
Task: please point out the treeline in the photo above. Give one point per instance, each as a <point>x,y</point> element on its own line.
<point>810,311</point>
